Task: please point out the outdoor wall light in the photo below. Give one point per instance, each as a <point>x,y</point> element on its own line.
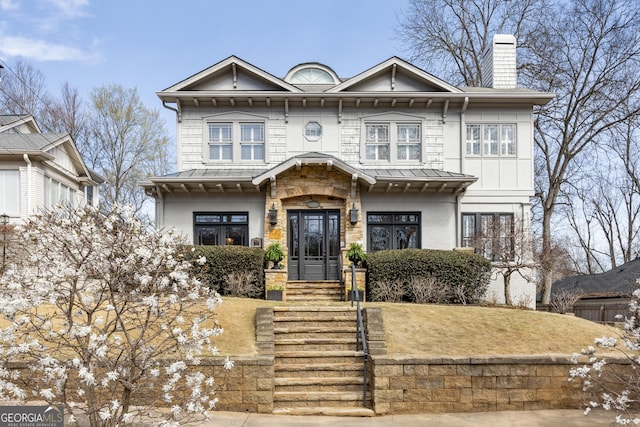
<point>353,215</point>
<point>273,214</point>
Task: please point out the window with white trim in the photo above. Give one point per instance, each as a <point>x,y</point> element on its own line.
<point>393,141</point>
<point>491,139</point>
<point>235,140</point>
<point>56,193</point>
<point>10,192</point>
<point>252,141</point>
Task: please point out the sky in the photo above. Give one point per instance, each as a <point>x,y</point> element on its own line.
<point>152,44</point>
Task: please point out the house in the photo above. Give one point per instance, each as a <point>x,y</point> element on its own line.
<point>393,158</point>
<point>39,170</point>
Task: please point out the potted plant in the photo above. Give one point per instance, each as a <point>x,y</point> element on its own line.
<point>355,254</point>
<point>274,254</point>
<point>274,293</point>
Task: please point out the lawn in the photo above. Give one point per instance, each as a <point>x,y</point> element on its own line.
<point>439,330</point>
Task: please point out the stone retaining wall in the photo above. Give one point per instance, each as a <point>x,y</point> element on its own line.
<point>402,385</point>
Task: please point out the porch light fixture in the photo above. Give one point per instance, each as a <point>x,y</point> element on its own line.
<point>273,214</point>
<point>353,215</point>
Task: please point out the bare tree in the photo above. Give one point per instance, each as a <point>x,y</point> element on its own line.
<point>451,35</point>
<point>23,90</point>
<point>127,144</point>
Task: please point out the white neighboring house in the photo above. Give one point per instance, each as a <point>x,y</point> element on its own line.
<point>39,170</point>
<point>391,158</point>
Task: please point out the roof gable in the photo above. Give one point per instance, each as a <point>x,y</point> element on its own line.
<point>232,74</point>
<point>395,75</point>
<point>19,123</point>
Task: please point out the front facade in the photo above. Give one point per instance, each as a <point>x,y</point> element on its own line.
<point>40,170</point>
<point>391,158</point>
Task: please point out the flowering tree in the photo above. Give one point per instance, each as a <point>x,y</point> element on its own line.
<point>615,387</point>
<point>108,317</point>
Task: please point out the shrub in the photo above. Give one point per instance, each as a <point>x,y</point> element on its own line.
<point>427,290</point>
<point>463,276</point>
<point>230,262</point>
<point>387,291</point>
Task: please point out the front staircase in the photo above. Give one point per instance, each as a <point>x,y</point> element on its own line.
<point>314,291</point>
<point>318,370</point>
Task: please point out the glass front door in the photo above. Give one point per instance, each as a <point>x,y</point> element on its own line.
<point>314,245</point>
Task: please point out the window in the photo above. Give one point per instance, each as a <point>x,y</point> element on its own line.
<point>220,142</point>
<point>235,140</point>
<point>393,141</point>
<point>377,142</point>
<point>491,234</point>
<point>313,131</point>
<point>393,230</point>
<point>221,228</point>
<point>56,193</point>
<point>408,142</point>
<point>252,141</point>
<point>10,192</point>
<point>492,139</point>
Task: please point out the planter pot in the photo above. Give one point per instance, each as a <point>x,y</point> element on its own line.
<point>352,295</point>
<point>274,295</point>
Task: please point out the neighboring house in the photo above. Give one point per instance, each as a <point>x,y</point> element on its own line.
<point>39,170</point>
<point>392,158</point>
<point>601,297</point>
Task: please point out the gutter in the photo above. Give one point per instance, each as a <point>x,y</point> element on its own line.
<point>29,195</point>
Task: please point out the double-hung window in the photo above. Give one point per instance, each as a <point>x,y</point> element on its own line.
<point>408,141</point>
<point>491,140</point>
<point>252,141</point>
<point>56,193</point>
<point>490,234</point>
<point>377,142</point>
<point>220,142</point>
<point>392,141</point>
<point>235,137</point>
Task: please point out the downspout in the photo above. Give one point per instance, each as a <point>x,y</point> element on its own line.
<point>29,195</point>
<point>159,209</point>
<point>463,142</point>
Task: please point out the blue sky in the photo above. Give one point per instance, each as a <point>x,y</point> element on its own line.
<point>152,44</point>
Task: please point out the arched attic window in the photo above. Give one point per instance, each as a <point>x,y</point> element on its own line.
<point>312,74</point>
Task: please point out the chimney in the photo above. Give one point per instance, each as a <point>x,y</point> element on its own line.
<point>499,63</point>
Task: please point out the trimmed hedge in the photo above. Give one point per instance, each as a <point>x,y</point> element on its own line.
<point>465,275</point>
<point>224,261</point>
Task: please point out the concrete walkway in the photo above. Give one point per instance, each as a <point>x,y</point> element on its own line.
<point>546,418</point>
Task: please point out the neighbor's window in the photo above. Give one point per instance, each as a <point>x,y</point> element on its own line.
<point>393,230</point>
<point>10,192</point>
<point>491,139</point>
<point>221,228</point>
<point>56,193</point>
<point>490,234</point>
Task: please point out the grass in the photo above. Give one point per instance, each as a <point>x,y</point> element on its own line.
<point>439,330</point>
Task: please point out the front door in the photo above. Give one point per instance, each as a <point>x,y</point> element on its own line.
<point>314,244</point>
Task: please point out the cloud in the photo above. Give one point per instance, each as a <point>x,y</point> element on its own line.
<point>69,8</point>
<point>40,50</point>
<point>8,5</point>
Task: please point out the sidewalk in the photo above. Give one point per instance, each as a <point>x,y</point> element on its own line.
<point>546,418</point>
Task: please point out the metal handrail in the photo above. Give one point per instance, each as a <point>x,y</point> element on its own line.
<point>360,335</point>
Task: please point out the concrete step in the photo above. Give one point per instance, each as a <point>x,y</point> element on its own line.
<point>314,341</point>
<point>346,368</point>
<point>329,411</point>
<point>317,381</point>
<point>311,308</point>
<point>314,329</point>
<point>318,354</point>
<point>318,396</point>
